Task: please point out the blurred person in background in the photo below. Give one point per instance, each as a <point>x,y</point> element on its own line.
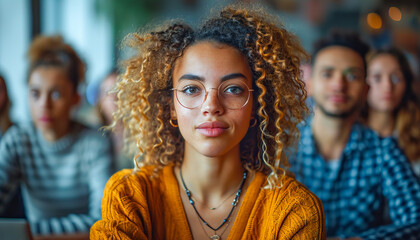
<point>359,176</point>
<point>406,36</point>
<point>5,121</point>
<point>61,165</point>
<point>211,111</point>
<point>14,209</point>
<point>106,106</point>
<point>391,105</point>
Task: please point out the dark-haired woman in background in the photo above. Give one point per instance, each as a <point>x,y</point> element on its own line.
<point>391,105</point>
<point>61,165</point>
<point>15,207</point>
<point>212,112</point>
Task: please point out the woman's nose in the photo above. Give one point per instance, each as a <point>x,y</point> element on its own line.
<point>45,101</point>
<point>212,103</point>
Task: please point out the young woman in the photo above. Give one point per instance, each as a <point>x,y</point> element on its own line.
<point>61,165</point>
<point>211,112</point>
<point>391,105</point>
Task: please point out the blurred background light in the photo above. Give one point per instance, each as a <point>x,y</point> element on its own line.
<point>374,20</point>
<point>395,13</point>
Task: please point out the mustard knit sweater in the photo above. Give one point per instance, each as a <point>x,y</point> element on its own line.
<point>138,206</point>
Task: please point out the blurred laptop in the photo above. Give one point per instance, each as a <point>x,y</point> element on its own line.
<point>15,229</point>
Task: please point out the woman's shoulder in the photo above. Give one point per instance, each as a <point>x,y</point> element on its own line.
<point>290,209</point>
<point>130,180</point>
<point>83,131</point>
<point>22,128</point>
<point>88,137</point>
<point>18,132</point>
<point>299,190</point>
<point>293,195</point>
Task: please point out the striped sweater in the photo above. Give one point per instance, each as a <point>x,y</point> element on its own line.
<point>62,182</point>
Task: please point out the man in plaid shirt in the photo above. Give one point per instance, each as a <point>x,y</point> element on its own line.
<point>365,183</point>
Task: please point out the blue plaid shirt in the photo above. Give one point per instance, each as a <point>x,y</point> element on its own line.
<point>370,192</point>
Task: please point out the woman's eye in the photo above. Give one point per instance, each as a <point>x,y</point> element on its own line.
<point>326,74</point>
<point>55,95</point>
<point>191,90</point>
<point>374,78</point>
<point>395,79</point>
<point>34,94</point>
<point>234,90</point>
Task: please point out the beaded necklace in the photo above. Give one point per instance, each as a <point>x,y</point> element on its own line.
<point>215,236</point>
<point>234,203</point>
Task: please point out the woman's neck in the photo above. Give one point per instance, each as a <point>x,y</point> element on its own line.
<point>52,135</point>
<point>381,122</point>
<point>212,178</point>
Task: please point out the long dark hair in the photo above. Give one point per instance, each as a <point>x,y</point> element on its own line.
<point>407,113</point>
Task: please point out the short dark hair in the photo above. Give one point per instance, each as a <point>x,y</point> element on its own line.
<point>348,39</point>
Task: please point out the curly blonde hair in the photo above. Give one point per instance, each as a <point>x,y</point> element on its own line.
<point>144,98</point>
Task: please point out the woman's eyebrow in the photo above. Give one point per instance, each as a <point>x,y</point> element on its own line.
<point>327,68</point>
<point>233,76</point>
<point>34,86</point>
<point>190,77</point>
<point>224,78</point>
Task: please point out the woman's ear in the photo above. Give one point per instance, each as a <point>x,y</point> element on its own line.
<point>76,99</point>
<point>173,112</point>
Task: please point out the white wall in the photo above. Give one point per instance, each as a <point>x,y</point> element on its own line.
<point>88,33</point>
<point>14,39</point>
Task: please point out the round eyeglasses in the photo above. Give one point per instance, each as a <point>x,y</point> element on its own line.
<point>232,94</point>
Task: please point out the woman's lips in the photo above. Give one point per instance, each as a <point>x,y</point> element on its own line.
<point>212,129</point>
<point>387,98</point>
<point>211,132</point>
<point>45,119</point>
